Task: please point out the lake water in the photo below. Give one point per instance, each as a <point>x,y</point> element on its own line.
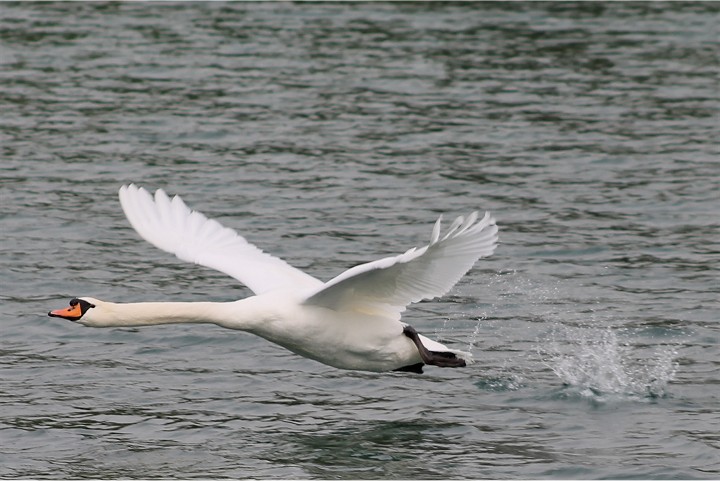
<point>332,135</point>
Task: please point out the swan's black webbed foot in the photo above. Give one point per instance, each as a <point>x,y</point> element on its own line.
<point>416,368</point>
<point>433,358</point>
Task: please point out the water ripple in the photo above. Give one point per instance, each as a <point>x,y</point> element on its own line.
<point>587,129</point>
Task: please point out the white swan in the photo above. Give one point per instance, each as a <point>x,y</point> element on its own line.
<point>349,322</point>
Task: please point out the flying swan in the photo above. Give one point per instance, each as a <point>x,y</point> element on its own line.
<point>350,322</point>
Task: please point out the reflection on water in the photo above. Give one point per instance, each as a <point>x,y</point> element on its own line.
<point>389,449</point>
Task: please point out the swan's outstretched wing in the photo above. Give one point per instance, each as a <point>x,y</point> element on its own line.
<point>388,285</point>
<point>170,225</point>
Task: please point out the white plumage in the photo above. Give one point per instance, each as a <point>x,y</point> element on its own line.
<point>350,322</point>
<point>170,225</point>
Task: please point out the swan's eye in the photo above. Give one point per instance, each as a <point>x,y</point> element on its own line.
<point>85,305</point>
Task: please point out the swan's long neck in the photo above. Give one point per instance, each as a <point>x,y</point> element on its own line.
<point>241,314</point>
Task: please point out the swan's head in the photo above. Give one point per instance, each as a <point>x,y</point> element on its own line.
<point>81,310</point>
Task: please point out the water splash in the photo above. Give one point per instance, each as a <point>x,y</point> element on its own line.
<point>476,332</point>
<point>595,363</point>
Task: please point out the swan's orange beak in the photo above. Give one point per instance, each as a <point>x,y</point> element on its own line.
<point>73,312</point>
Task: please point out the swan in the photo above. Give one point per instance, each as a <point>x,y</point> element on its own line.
<point>350,322</point>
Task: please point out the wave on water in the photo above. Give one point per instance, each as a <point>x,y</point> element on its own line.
<point>595,363</point>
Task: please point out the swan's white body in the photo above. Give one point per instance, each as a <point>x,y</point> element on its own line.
<point>349,322</point>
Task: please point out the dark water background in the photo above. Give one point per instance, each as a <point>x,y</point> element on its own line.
<point>333,134</point>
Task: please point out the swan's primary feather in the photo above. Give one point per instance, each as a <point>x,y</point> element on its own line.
<point>388,285</point>
<point>170,225</point>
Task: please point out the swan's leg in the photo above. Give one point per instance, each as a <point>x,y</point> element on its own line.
<point>440,359</point>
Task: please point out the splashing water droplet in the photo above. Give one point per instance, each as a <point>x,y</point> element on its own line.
<point>594,362</point>
<point>476,332</point>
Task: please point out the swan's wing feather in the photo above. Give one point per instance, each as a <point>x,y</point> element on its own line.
<point>170,225</point>
<point>388,285</point>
